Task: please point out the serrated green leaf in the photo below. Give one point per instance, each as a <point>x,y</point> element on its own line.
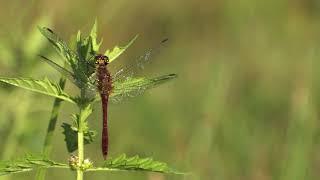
<point>124,163</point>
<point>117,50</point>
<point>41,86</point>
<point>84,47</point>
<point>133,161</point>
<point>145,162</point>
<point>86,52</point>
<point>93,35</point>
<point>85,113</point>
<point>88,46</point>
<point>74,118</point>
<point>78,63</point>
<point>60,46</point>
<point>71,137</point>
<point>27,164</point>
<point>119,160</point>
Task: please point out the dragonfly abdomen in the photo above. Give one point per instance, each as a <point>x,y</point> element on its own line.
<point>105,137</point>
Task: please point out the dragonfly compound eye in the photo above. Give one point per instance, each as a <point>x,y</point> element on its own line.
<point>101,59</point>
<point>106,59</point>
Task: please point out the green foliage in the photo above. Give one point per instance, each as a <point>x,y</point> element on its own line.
<point>120,163</point>
<point>28,163</point>
<point>82,117</point>
<point>93,36</point>
<point>86,49</point>
<point>69,56</point>
<point>71,132</point>
<point>88,46</point>
<point>71,137</point>
<point>135,163</point>
<point>60,46</point>
<point>41,86</point>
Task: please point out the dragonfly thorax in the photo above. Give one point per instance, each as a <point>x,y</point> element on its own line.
<point>103,75</point>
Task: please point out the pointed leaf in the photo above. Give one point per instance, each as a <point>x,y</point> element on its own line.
<point>85,113</point>
<point>60,46</point>
<point>28,163</point>
<point>119,160</point>
<point>41,86</point>
<point>84,46</point>
<point>117,51</point>
<point>71,137</point>
<point>93,35</point>
<point>85,50</point>
<point>124,163</point>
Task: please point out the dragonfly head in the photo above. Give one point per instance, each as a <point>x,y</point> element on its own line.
<point>101,59</point>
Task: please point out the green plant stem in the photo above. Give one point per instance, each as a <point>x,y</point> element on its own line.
<point>47,148</point>
<point>80,145</point>
<point>80,155</point>
<point>53,121</point>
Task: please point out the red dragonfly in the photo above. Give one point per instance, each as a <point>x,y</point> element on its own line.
<point>116,86</point>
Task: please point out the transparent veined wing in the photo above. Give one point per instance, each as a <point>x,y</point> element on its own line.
<point>60,46</point>
<point>62,70</point>
<point>70,76</point>
<point>132,87</point>
<point>129,70</point>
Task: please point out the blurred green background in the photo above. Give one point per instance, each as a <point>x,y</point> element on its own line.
<point>245,105</point>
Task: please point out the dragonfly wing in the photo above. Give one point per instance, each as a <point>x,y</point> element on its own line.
<point>60,46</point>
<point>138,63</point>
<point>132,87</point>
<point>56,66</point>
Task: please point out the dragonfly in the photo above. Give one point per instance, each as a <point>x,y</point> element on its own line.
<point>116,85</point>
